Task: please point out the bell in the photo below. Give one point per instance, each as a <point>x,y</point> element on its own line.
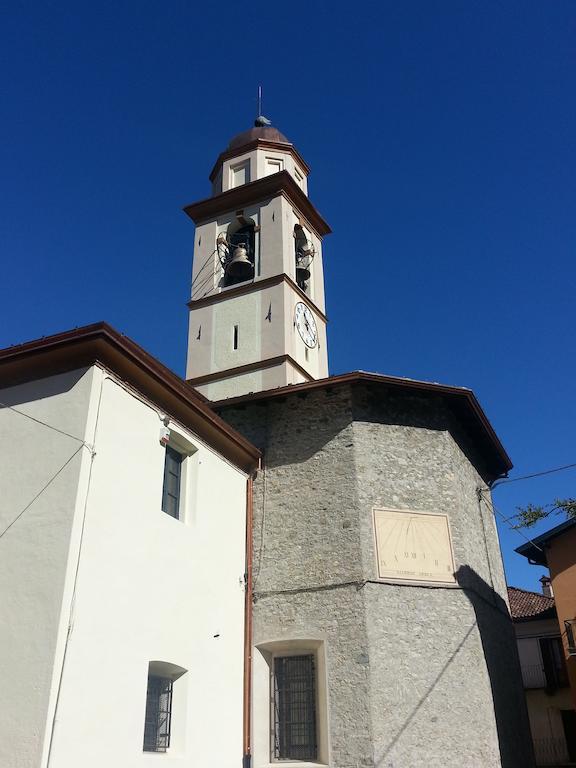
<point>302,275</point>
<point>240,266</point>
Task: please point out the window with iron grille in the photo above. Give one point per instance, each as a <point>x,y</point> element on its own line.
<point>294,708</point>
<point>158,714</point>
<point>172,478</point>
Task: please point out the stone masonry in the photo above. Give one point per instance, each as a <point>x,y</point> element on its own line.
<point>417,677</point>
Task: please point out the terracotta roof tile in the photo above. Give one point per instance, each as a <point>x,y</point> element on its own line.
<point>530,605</point>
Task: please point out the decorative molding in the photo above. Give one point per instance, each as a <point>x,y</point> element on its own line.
<point>228,373</point>
<point>256,285</point>
<point>100,343</point>
<point>280,183</point>
<point>257,144</point>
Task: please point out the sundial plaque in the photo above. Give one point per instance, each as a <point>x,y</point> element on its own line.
<point>413,546</point>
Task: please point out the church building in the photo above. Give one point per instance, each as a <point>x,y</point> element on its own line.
<point>380,626</point>
<point>259,565</point>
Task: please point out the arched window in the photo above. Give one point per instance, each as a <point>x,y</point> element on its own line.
<point>304,253</point>
<point>241,240</point>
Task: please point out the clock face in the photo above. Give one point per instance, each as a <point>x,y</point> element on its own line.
<point>413,546</point>
<point>304,321</point>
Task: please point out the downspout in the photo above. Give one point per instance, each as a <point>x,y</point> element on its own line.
<point>247,724</point>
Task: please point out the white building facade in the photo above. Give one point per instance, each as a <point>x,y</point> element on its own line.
<point>123,593</point>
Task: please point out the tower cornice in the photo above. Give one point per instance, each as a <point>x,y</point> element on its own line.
<point>256,285</point>
<point>258,144</point>
<point>269,186</point>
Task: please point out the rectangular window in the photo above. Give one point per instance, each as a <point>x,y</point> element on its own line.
<point>240,174</point>
<point>235,338</point>
<point>158,714</point>
<point>274,165</point>
<point>553,661</point>
<point>172,478</point>
<point>294,708</point>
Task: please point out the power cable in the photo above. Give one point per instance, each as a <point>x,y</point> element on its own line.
<point>203,266</point>
<point>43,423</point>
<point>534,474</point>
<point>506,519</point>
<point>41,491</point>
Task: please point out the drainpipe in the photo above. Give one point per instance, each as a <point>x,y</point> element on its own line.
<point>247,724</point>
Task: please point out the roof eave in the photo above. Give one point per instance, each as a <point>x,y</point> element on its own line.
<point>502,463</point>
<point>100,343</point>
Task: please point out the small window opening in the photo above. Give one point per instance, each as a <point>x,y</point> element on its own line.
<point>172,482</point>
<point>235,338</point>
<point>158,714</point>
<point>294,701</point>
<point>306,352</point>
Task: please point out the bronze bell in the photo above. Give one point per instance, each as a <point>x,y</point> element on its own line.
<point>240,266</point>
<point>303,259</point>
<point>302,275</point>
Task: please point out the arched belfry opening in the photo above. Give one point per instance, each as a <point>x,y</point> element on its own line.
<point>237,251</point>
<point>303,254</point>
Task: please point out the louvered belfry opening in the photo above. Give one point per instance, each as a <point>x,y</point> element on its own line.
<point>294,693</point>
<point>158,714</point>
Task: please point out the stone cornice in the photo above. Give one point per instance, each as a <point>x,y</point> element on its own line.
<point>280,183</point>
<point>269,362</point>
<point>256,285</point>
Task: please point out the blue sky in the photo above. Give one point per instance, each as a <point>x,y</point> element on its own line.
<point>442,141</point>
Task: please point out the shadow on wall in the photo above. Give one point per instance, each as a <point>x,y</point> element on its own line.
<point>501,655</point>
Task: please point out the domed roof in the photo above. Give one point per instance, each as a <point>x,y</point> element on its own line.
<point>264,132</point>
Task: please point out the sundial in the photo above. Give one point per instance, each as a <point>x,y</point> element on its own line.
<point>413,546</point>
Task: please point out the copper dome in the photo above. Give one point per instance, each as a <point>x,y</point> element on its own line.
<point>264,132</point>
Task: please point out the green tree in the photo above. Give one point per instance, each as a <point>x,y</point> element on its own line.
<point>531,514</point>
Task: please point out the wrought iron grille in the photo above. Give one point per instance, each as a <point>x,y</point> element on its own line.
<point>158,714</point>
<point>294,695</point>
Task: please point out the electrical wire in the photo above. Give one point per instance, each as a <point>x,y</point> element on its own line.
<point>43,423</point>
<point>203,284</point>
<point>41,491</point>
<point>75,583</point>
<point>506,519</point>
<point>534,474</point>
<point>203,266</point>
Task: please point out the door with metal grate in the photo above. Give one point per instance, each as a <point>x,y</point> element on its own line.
<point>294,708</point>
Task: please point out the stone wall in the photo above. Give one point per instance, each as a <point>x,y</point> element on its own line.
<point>415,674</point>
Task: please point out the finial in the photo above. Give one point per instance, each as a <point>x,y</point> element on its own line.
<point>260,121</point>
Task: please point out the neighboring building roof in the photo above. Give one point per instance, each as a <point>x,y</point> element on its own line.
<point>535,549</point>
<point>462,400</point>
<point>100,343</point>
<point>530,606</point>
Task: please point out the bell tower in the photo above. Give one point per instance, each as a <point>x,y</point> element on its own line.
<point>257,312</point>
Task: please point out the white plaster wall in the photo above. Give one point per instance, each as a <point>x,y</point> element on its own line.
<point>40,475</point>
<point>259,167</point>
<point>150,587</point>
